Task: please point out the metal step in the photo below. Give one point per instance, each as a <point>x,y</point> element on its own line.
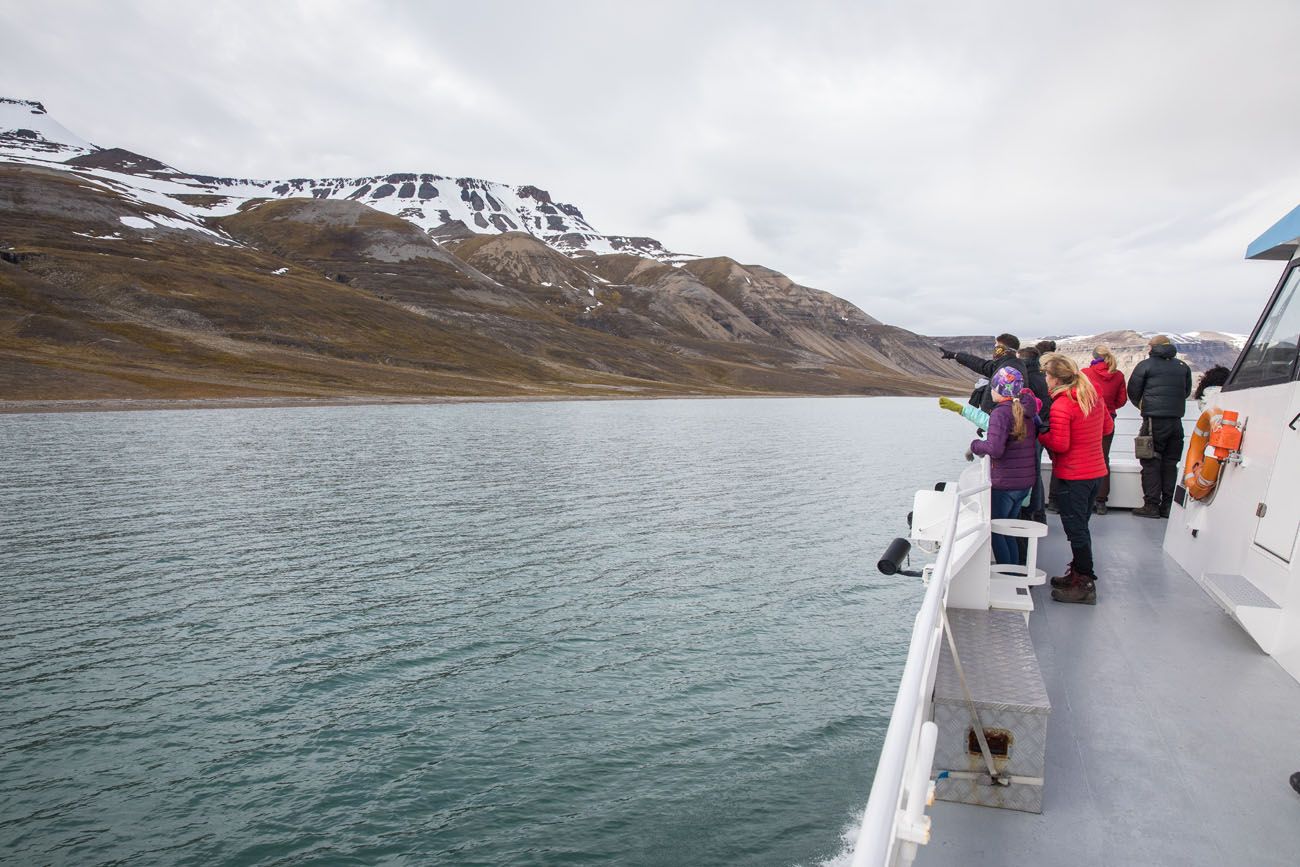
<point>1245,603</point>
<point>1233,591</point>
<point>1010,594</point>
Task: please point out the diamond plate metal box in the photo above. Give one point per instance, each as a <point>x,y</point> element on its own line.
<point>1007,686</point>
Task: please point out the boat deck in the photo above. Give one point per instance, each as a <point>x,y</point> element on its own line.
<point>1172,736</point>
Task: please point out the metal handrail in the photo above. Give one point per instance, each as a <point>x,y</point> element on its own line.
<point>891,828</point>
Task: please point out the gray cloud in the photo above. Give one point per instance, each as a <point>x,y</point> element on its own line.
<point>950,167</point>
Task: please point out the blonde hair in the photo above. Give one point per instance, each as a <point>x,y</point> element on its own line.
<point>1018,418</point>
<point>1103,352</point>
<point>1067,372</point>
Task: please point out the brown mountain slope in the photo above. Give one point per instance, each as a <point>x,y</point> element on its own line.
<point>820,322</point>
<point>674,300</point>
<point>347,241</point>
<point>104,311</point>
<point>626,268</point>
<point>103,295</point>
<point>636,298</point>
<point>520,260</point>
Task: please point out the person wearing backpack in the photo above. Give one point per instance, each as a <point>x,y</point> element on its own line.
<point>1010,448</point>
<point>1160,386</point>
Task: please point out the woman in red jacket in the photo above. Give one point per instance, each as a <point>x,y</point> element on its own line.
<point>1074,438</point>
<point>1108,380</point>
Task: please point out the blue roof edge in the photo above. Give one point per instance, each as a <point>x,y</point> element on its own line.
<point>1280,241</point>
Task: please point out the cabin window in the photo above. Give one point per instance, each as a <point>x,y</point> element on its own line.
<point>1270,357</point>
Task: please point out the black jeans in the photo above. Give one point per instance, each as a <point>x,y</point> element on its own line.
<point>1104,493</point>
<point>1160,474</point>
<point>1075,498</point>
<point>1036,492</point>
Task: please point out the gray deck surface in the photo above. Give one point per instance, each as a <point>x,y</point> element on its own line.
<point>1171,736</point>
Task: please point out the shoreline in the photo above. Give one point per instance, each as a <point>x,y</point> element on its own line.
<point>149,404</point>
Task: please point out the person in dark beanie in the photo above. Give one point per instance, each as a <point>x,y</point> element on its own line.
<point>1037,383</point>
<point>1209,385</point>
<point>1045,347</point>
<point>1004,355</point>
<point>1160,386</point>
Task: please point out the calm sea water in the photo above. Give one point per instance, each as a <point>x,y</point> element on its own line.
<point>633,632</point>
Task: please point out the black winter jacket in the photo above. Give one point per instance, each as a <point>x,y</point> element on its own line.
<point>1037,382</point>
<point>1161,384</point>
<point>986,367</point>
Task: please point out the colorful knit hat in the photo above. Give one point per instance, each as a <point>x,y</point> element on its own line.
<point>1007,382</point>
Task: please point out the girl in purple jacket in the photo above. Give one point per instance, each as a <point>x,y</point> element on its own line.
<point>1012,432</point>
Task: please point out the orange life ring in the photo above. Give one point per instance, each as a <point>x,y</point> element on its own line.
<point>1201,471</point>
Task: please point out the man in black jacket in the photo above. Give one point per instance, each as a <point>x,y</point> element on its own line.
<point>1004,355</point>
<point>1160,386</point>
<point>1037,382</point>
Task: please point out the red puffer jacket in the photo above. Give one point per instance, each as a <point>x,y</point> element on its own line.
<point>1075,439</point>
<point>1111,388</point>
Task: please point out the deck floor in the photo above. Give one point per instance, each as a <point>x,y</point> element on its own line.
<point>1172,736</point>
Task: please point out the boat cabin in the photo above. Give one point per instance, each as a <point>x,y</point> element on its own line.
<point>1240,541</point>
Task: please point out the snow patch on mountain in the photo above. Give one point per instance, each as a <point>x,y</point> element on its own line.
<point>1190,337</point>
<point>1180,339</point>
<point>26,127</point>
<point>444,207</point>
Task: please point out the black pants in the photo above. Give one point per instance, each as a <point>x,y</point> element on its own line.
<point>1104,493</point>
<point>1160,474</point>
<point>1036,493</point>
<point>1075,498</point>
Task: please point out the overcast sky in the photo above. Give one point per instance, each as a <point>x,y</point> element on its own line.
<point>951,167</point>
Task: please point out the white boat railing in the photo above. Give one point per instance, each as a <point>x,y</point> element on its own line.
<point>895,822</point>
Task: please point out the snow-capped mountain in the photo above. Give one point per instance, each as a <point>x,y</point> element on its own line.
<point>27,129</point>
<point>444,207</point>
<point>1180,339</point>
<point>122,275</point>
<point>1200,349</point>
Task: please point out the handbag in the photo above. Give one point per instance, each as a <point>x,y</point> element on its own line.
<point>1144,445</point>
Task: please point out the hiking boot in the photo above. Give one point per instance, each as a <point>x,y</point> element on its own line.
<point>1147,512</point>
<point>1083,591</point>
<point>1060,582</point>
<point>1100,507</point>
<point>1295,782</point>
<point>1164,511</point>
<point>1052,507</point>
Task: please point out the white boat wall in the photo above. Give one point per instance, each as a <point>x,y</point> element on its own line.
<point>1240,541</point>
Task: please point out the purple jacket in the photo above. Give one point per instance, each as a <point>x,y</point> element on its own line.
<point>1013,463</point>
